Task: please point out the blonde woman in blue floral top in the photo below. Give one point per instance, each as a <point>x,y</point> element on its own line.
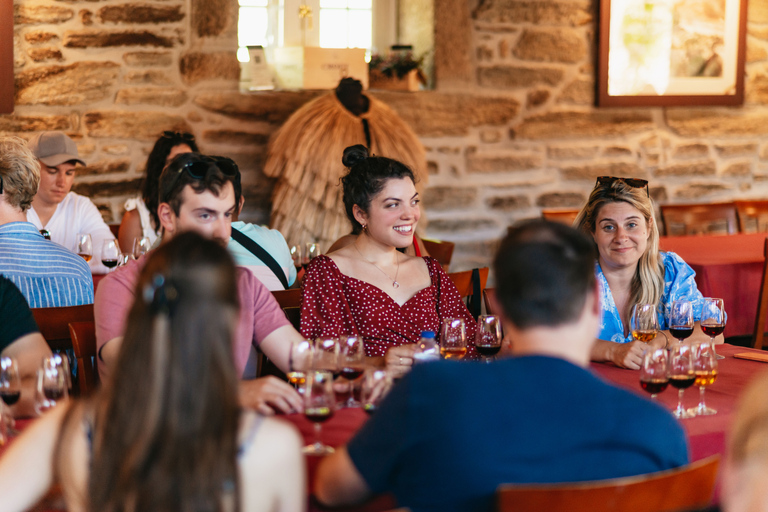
<point>630,268</point>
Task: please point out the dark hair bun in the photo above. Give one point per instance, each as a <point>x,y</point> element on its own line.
<point>353,155</point>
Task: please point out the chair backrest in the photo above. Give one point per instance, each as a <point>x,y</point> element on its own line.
<point>54,323</point>
<point>290,298</point>
<point>700,219</point>
<point>84,344</point>
<point>762,303</point>
<point>441,251</point>
<point>489,298</point>
<point>464,283</point>
<point>753,216</point>
<point>689,487</point>
<point>561,215</point>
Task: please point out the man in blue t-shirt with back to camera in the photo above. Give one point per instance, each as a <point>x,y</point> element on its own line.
<point>450,433</point>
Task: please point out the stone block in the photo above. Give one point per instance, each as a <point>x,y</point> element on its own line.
<point>690,151</point>
<point>19,57</point>
<point>659,194</point>
<point>141,13</point>
<point>106,212</point>
<point>115,149</point>
<point>757,11</point>
<point>45,54</point>
<point>571,13</point>
<point>758,32</point>
<point>162,96</point>
<point>152,76</point>
<point>508,203</point>
<point>537,98</point>
<point>592,171</point>
<point>617,151</point>
<point>196,67</point>
<point>76,84</point>
<point>452,150</point>
<point>106,39</point>
<point>435,114</point>
<point>132,125</point>
<point>86,17</point>
<point>572,152</point>
<point>17,124</point>
<point>484,53</point>
<point>213,17</point>
<point>463,224</point>
<point>736,149</point>
<point>503,48</point>
<point>147,59</point>
<point>560,45</point>
<point>490,136</point>
<point>105,167</point>
<point>432,167</point>
<point>700,168</point>
<point>448,198</point>
<point>716,122</point>
<point>40,36</point>
<point>561,200</point>
<point>738,170</point>
<point>272,107</point>
<point>83,149</point>
<point>764,152</point>
<point>108,188</point>
<point>235,137</point>
<point>578,92</point>
<point>756,89</point>
<point>700,190</point>
<point>756,52</point>
<point>511,77</point>
<point>25,14</point>
<point>453,40</point>
<point>503,164</point>
<point>564,125</point>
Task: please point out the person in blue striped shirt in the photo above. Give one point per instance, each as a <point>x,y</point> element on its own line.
<point>47,274</point>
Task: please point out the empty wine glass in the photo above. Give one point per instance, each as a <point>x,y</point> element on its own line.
<point>10,382</point>
<point>51,385</point>
<point>654,371</point>
<point>351,363</point>
<point>705,369</point>
<point>311,251</point>
<point>680,319</point>
<point>453,339</point>
<point>110,253</point>
<point>84,246</point>
<point>488,336</point>
<point>319,402</point>
<point>299,362</point>
<point>681,375</point>
<point>296,256</point>
<point>713,320</point>
<point>644,322</point>
<point>376,385</point>
<point>140,246</point>
<point>326,355</point>
<point>62,359</point>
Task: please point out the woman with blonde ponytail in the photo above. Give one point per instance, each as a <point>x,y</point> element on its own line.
<point>619,217</point>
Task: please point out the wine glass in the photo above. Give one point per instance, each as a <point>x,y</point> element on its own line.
<point>319,402</point>
<point>351,363</point>
<point>296,256</point>
<point>299,361</point>
<point>51,385</point>
<point>453,339</point>
<point>10,382</point>
<point>311,251</point>
<point>110,253</point>
<point>140,246</point>
<point>488,336</point>
<point>61,359</point>
<point>680,319</point>
<point>326,355</point>
<point>705,369</point>
<point>376,385</point>
<point>681,375</point>
<point>644,322</point>
<point>654,371</point>
<point>713,320</point>
<point>84,246</point>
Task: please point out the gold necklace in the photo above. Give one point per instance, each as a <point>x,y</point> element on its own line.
<point>395,284</point>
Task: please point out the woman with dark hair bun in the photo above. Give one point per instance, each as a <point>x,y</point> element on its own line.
<point>369,288</point>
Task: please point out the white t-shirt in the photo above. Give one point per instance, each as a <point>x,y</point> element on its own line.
<point>76,214</point>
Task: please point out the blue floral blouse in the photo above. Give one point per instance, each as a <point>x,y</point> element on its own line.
<point>678,284</point>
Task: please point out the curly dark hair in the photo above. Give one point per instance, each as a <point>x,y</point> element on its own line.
<point>366,178</point>
<point>156,163</point>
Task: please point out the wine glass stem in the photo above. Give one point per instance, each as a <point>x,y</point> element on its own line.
<point>712,342</point>
<point>318,427</point>
<point>680,399</point>
<point>702,405</point>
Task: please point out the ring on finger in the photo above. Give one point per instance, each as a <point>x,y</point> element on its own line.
<point>401,361</point>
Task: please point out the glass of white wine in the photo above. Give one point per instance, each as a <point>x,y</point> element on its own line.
<point>84,246</point>
<point>299,362</point>
<point>453,338</point>
<point>644,322</point>
<point>705,369</point>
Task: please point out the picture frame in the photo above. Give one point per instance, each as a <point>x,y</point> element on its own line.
<point>671,53</point>
<point>6,57</point>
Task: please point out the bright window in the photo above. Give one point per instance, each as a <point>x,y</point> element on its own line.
<point>252,26</point>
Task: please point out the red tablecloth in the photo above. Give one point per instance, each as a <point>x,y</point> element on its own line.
<point>729,267</point>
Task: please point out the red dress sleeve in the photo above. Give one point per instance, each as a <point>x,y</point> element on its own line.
<point>451,305</point>
<point>324,307</point>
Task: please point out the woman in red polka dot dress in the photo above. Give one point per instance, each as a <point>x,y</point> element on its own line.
<point>371,289</point>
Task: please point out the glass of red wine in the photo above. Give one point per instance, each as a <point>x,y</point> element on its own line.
<point>488,337</point>
<point>351,363</point>
<point>376,385</point>
<point>713,320</point>
<point>681,375</point>
<point>319,405</point>
<point>654,371</point>
<point>51,384</point>
<point>10,382</point>
<point>110,253</point>
<point>680,319</point>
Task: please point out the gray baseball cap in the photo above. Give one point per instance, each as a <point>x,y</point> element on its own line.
<point>54,148</point>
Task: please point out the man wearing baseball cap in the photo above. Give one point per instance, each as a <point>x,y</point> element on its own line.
<point>62,213</point>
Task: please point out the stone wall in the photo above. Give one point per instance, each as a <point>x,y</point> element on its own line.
<point>509,129</point>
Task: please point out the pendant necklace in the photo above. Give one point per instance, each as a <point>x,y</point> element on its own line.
<point>395,284</point>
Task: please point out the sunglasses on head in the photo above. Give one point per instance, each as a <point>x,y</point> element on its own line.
<point>167,134</point>
<point>198,168</point>
<point>632,182</point>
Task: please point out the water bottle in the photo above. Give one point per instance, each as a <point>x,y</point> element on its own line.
<point>427,349</point>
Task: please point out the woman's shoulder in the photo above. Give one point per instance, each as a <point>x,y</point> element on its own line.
<point>672,262</point>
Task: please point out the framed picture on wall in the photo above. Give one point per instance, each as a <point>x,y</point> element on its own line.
<point>6,56</point>
<point>666,53</point>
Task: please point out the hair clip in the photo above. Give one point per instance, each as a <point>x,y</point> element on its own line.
<point>160,294</point>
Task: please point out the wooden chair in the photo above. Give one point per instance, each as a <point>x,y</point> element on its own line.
<point>465,285</point>
<point>753,216</point>
<point>54,323</point>
<point>686,488</point>
<point>762,304</point>
<point>489,298</point>
<point>288,298</point>
<point>441,251</point>
<point>84,343</point>
<point>561,215</point>
<point>700,219</point>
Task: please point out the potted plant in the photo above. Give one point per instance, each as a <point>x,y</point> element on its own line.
<point>398,71</point>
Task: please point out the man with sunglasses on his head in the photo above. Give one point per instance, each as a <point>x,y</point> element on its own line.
<point>201,193</point>
<point>58,210</point>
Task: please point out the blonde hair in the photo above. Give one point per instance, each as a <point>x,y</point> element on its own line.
<point>20,171</point>
<point>648,283</point>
